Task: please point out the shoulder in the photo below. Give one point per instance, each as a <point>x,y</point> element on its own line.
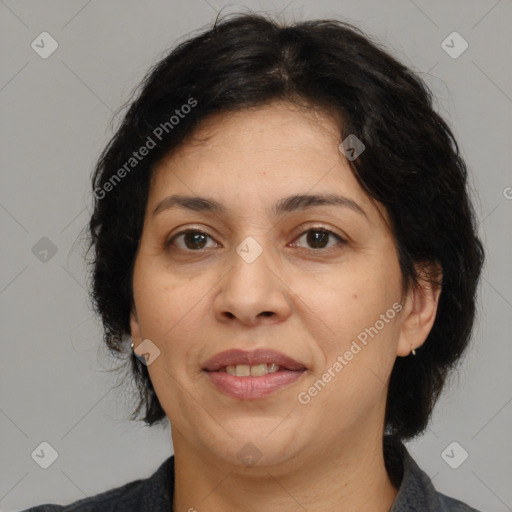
<point>416,490</point>
<point>453,505</point>
<point>144,495</point>
<point>127,497</point>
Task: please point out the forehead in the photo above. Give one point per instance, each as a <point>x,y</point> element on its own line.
<point>255,157</point>
<point>269,131</point>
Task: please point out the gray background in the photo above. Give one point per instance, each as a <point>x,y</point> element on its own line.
<point>56,116</point>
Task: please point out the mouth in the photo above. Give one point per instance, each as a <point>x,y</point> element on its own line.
<point>257,370</point>
<point>252,375</point>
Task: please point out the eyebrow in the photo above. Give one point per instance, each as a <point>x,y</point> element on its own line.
<point>286,205</point>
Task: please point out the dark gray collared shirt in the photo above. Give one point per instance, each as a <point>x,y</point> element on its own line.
<point>416,492</point>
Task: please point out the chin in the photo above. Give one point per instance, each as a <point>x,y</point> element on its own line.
<point>259,444</point>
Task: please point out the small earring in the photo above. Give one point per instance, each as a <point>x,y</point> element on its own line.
<point>413,352</point>
<point>132,344</point>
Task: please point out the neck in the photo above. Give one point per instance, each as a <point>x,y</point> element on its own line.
<point>352,476</point>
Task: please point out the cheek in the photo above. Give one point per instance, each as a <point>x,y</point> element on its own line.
<point>161,300</point>
<point>353,299</point>
<point>171,311</point>
<point>360,307</point>
<point>351,379</point>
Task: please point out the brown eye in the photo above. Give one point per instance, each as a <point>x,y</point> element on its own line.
<point>318,238</point>
<point>191,239</point>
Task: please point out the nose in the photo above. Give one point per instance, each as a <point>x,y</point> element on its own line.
<point>252,292</point>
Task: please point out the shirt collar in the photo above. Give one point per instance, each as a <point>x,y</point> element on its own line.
<point>415,489</point>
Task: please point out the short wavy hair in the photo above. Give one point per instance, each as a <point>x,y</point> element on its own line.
<point>411,164</point>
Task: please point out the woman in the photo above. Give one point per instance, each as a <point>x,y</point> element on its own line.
<point>283,234</point>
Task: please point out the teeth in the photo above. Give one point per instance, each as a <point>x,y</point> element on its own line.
<point>230,370</point>
<point>258,370</point>
<point>242,370</point>
<point>272,368</point>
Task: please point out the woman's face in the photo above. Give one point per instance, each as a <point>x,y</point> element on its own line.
<point>317,283</point>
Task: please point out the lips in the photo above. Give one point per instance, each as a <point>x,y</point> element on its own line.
<point>236,357</point>
<point>252,375</point>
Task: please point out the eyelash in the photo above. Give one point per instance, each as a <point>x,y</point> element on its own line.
<point>341,240</point>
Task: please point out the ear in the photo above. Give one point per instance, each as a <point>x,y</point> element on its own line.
<point>135,327</point>
<point>420,308</point>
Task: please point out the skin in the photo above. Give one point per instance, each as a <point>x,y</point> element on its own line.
<point>193,303</point>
